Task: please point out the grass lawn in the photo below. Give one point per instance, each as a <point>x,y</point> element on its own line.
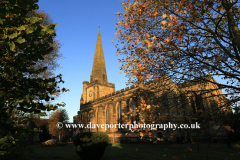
<point>138,151</point>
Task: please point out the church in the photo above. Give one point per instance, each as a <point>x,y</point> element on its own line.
<point>101,104</point>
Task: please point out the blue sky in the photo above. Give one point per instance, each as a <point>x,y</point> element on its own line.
<point>79,21</point>
<point>78,29</point>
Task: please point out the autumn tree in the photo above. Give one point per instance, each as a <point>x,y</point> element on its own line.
<point>58,116</point>
<point>183,39</point>
<point>23,43</point>
<point>187,41</point>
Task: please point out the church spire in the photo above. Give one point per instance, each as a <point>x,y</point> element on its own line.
<point>99,69</point>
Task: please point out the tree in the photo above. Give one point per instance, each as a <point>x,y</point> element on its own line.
<point>50,60</point>
<point>44,135</point>
<point>236,124</point>
<point>30,126</point>
<point>58,116</point>
<point>182,39</point>
<point>23,43</point>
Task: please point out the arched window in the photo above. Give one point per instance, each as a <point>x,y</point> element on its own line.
<point>88,117</point>
<point>156,108</point>
<point>133,108</point>
<point>199,101</point>
<point>183,102</point>
<point>107,115</point>
<point>165,104</point>
<point>97,117</point>
<point>193,105</point>
<point>133,111</point>
<point>119,113</point>
<point>214,106</point>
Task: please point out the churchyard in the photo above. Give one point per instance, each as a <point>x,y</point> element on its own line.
<point>140,152</point>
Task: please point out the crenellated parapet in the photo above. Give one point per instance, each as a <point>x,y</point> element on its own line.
<point>130,90</point>
<point>110,96</point>
<point>121,93</point>
<point>112,85</point>
<point>85,82</point>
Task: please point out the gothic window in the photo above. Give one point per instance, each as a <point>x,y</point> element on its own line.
<point>119,115</point>
<point>83,117</point>
<point>133,110</point>
<point>157,108</point>
<point>183,103</point>
<point>165,103</point>
<point>199,101</point>
<point>88,117</point>
<point>97,117</point>
<point>214,106</point>
<point>107,114</point>
<point>193,105</point>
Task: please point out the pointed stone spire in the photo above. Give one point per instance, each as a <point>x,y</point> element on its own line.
<point>99,69</point>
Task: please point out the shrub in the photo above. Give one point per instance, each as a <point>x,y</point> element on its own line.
<point>51,142</point>
<point>11,147</point>
<point>90,145</point>
<point>44,135</point>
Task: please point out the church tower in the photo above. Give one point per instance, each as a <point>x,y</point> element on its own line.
<point>99,85</point>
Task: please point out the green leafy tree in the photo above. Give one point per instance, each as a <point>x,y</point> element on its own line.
<point>50,60</point>
<point>30,126</point>
<point>23,43</point>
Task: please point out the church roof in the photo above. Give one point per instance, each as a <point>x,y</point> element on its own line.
<point>99,69</point>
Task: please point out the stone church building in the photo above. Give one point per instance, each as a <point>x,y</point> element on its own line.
<point>101,104</point>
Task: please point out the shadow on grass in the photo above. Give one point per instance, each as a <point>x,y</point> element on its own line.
<point>138,151</point>
<point>168,152</point>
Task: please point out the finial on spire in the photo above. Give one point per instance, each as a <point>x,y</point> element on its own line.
<point>99,25</point>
